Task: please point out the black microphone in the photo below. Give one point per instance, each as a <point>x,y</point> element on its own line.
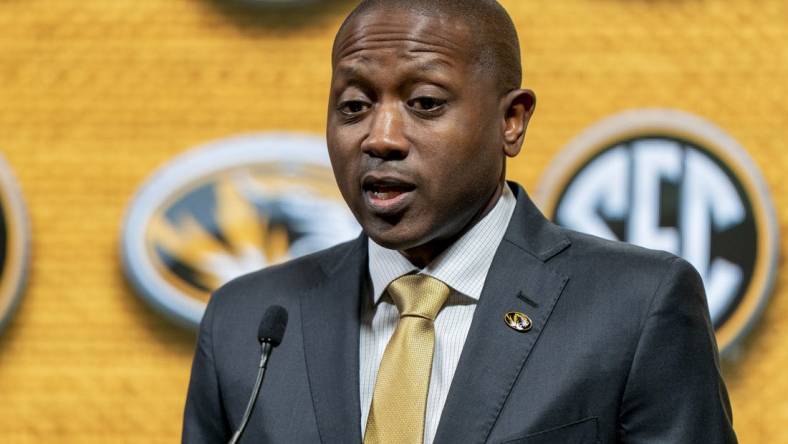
<point>270,333</point>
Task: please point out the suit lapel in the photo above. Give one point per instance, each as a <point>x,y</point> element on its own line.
<point>330,321</point>
<point>521,280</point>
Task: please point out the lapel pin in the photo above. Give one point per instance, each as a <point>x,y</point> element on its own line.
<point>518,321</point>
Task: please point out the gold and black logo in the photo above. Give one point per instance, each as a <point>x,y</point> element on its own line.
<point>518,321</point>
<point>227,209</point>
<point>671,181</point>
<point>14,244</point>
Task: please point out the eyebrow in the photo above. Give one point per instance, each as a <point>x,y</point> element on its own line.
<point>348,71</point>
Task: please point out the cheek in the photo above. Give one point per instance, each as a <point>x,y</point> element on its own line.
<point>482,151</point>
<point>460,150</point>
<point>342,173</point>
<point>341,151</point>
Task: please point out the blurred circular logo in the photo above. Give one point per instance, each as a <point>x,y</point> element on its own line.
<point>14,244</point>
<point>226,209</point>
<point>671,181</point>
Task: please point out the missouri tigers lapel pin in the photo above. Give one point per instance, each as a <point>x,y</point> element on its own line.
<point>518,321</point>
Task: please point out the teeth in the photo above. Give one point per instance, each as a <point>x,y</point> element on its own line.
<point>385,195</point>
<point>386,191</point>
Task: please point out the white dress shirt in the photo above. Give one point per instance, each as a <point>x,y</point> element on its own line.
<point>463,267</point>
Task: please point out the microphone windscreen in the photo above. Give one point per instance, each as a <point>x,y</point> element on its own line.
<point>272,326</point>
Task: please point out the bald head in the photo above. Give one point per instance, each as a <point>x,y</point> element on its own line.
<point>495,46</point>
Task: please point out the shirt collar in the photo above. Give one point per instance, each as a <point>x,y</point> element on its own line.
<point>463,266</point>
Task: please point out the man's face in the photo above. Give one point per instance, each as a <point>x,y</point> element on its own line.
<point>414,127</point>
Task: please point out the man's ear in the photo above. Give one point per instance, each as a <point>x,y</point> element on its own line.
<point>519,106</point>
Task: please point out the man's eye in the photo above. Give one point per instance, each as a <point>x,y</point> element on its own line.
<point>353,107</point>
<point>426,103</point>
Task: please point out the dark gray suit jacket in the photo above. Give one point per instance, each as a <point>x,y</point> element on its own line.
<point>621,349</point>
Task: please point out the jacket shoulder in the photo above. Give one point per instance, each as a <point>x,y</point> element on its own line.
<point>278,283</point>
<point>624,276</point>
<point>616,256</point>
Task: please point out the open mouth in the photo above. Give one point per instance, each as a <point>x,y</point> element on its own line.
<point>386,194</point>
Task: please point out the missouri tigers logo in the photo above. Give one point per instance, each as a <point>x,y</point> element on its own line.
<point>671,181</point>
<point>14,244</point>
<point>227,209</point>
<point>518,321</point>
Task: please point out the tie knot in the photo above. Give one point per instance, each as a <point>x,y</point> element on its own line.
<point>418,295</point>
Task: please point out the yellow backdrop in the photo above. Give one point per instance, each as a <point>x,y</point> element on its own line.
<point>96,94</point>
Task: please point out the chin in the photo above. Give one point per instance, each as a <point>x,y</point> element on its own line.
<point>388,241</point>
<point>394,238</point>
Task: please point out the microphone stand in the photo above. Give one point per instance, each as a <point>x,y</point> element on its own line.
<point>266,348</point>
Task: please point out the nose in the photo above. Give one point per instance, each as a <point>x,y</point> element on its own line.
<point>386,138</point>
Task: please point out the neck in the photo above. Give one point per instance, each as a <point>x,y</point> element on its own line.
<point>422,255</point>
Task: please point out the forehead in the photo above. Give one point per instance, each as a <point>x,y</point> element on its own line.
<point>380,34</point>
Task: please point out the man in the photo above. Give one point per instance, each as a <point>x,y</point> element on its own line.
<point>460,315</point>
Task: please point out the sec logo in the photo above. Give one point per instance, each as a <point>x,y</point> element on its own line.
<point>671,181</point>
<point>226,209</point>
<point>14,244</point>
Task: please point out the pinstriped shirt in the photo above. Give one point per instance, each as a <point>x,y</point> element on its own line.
<point>463,267</point>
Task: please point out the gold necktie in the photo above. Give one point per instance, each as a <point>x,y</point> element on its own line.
<point>400,399</point>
